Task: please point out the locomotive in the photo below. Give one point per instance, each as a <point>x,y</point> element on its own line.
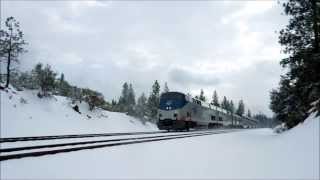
<point>178,111</point>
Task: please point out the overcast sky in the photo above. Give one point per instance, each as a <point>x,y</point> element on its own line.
<point>228,46</point>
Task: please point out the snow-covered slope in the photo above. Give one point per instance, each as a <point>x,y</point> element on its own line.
<point>24,114</point>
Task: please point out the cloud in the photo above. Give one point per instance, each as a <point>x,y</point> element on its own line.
<point>191,45</point>
<point>184,77</point>
<point>250,8</point>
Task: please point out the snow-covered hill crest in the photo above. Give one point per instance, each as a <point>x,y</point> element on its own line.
<point>24,114</point>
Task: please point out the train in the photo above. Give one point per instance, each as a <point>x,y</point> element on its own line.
<point>179,111</point>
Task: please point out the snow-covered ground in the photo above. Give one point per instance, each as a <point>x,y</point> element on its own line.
<point>249,154</point>
<point>24,114</point>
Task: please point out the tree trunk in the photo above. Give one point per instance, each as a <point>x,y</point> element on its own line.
<point>315,25</point>
<point>8,69</point>
<point>9,61</point>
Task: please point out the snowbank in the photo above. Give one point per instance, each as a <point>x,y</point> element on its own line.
<point>24,114</point>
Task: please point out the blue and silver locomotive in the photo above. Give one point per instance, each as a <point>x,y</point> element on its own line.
<point>178,111</point>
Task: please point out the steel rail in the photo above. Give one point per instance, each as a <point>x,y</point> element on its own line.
<point>37,138</point>
<point>146,139</point>
<point>4,150</point>
<point>71,136</point>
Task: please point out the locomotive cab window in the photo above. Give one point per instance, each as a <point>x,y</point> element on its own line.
<point>172,101</point>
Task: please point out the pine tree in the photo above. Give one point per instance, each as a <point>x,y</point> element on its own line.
<point>45,77</point>
<point>113,103</point>
<point>131,100</point>
<point>202,97</point>
<point>123,100</point>
<point>64,87</point>
<point>240,110</point>
<point>131,96</point>
<point>23,80</point>
<point>249,113</point>
<point>165,88</point>
<point>224,103</point>
<point>232,108</point>
<point>300,87</point>
<point>215,99</point>
<point>153,100</point>
<point>11,44</point>
<point>142,106</point>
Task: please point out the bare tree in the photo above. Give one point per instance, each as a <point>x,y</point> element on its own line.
<point>11,44</point>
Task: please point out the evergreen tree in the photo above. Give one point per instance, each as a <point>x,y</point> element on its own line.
<point>224,103</point>
<point>23,80</point>
<point>153,100</point>
<point>228,106</point>
<point>232,108</point>
<point>202,97</point>
<point>64,87</point>
<point>249,113</point>
<point>113,104</point>
<point>142,106</point>
<point>215,99</point>
<point>131,100</point>
<point>165,88</point>
<point>45,77</point>
<point>299,89</point>
<point>11,44</point>
<point>240,110</point>
<point>123,100</point>
<point>131,96</point>
<point>263,120</point>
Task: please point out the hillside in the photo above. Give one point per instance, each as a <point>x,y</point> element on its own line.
<point>24,114</point>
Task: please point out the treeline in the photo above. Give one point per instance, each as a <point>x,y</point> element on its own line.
<point>145,107</point>
<point>298,93</point>
<point>47,81</point>
<point>225,104</point>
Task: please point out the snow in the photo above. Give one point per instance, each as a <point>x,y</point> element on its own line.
<point>55,116</point>
<point>248,154</point>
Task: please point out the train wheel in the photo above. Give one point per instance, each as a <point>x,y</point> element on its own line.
<point>210,126</point>
<point>187,126</point>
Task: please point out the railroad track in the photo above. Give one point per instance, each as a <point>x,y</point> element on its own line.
<point>70,136</point>
<point>47,149</point>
